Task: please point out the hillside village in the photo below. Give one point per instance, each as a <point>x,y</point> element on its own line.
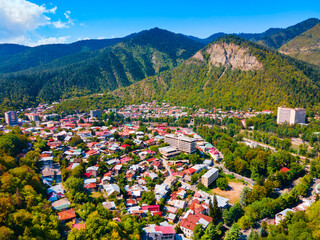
<point>140,166</point>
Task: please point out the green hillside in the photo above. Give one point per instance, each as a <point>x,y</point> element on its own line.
<point>233,73</point>
<point>15,58</point>
<point>305,47</point>
<point>276,40</point>
<point>145,54</point>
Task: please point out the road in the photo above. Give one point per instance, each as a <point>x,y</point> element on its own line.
<point>236,175</point>
<point>270,147</point>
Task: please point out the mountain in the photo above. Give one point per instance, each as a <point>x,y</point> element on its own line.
<point>232,73</point>
<point>305,47</point>
<point>273,37</point>
<point>15,58</point>
<point>275,41</point>
<point>80,73</point>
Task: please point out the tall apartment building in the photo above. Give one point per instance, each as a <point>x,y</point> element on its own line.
<point>32,117</point>
<point>184,144</point>
<point>210,176</point>
<point>291,115</point>
<point>95,113</point>
<point>11,117</point>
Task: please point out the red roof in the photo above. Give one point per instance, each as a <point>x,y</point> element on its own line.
<point>79,226</point>
<point>190,171</point>
<point>88,174</point>
<point>156,213</point>
<point>125,159</point>
<point>284,169</point>
<point>67,214</point>
<point>165,229</point>
<point>90,185</point>
<point>125,146</point>
<point>91,152</point>
<point>151,208</point>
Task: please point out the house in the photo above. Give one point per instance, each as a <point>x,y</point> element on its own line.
<point>200,207</point>
<point>84,134</point>
<point>67,215</point>
<point>161,191</point>
<point>79,226</point>
<point>118,168</point>
<point>61,204</point>
<point>109,205</point>
<point>284,169</point>
<point>131,202</point>
<point>94,170</point>
<point>153,232</point>
<point>125,160</point>
<point>222,201</point>
<point>170,180</point>
<point>191,219</point>
<point>48,172</point>
<point>112,189</point>
<point>151,208</point>
<point>281,215</point>
<point>91,187</point>
<point>91,152</point>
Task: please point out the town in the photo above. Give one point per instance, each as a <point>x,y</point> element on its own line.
<point>180,173</point>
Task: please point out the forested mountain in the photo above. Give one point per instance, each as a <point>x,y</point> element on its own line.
<point>15,58</point>
<point>305,47</point>
<point>144,54</point>
<point>273,37</point>
<point>275,41</point>
<point>232,72</point>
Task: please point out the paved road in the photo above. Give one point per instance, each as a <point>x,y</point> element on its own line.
<point>236,175</point>
<point>270,147</point>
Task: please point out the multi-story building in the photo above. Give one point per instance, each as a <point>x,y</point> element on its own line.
<point>168,152</point>
<point>291,115</point>
<point>184,144</point>
<point>210,176</point>
<point>95,113</point>
<point>153,232</point>
<point>32,117</point>
<point>11,117</point>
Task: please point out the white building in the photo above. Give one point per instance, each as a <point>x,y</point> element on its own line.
<point>291,115</point>
<point>210,176</point>
<point>184,144</point>
<point>11,117</point>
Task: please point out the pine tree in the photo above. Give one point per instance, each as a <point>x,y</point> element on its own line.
<point>217,213</point>
<point>211,213</point>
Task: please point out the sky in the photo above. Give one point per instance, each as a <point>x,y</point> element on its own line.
<point>37,22</point>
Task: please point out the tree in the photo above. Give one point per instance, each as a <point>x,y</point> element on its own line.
<point>233,214</point>
<point>148,198</point>
<point>75,140</point>
<point>233,233</point>
<point>211,210</point>
<point>216,212</point>
<point>76,234</point>
<point>222,183</point>
<point>197,232</point>
<point>81,120</point>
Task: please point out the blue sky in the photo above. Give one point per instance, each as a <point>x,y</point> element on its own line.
<point>34,22</point>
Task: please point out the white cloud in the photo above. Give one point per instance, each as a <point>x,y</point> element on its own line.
<point>20,20</point>
<point>42,41</point>
<point>53,10</point>
<point>60,24</point>
<point>51,40</point>
<point>20,16</point>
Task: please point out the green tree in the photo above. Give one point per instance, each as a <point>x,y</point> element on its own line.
<point>233,233</point>
<point>222,183</point>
